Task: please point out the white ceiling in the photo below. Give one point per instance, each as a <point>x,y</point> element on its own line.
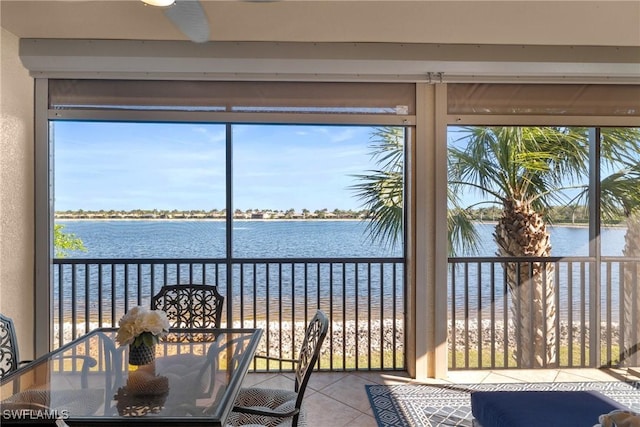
<point>334,40</point>
<point>533,22</point>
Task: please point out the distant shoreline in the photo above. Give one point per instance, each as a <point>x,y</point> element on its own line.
<point>560,224</point>
<point>212,219</point>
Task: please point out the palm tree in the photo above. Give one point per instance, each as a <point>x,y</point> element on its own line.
<point>622,189</point>
<point>630,356</point>
<point>620,197</point>
<point>381,190</point>
<point>525,171</point>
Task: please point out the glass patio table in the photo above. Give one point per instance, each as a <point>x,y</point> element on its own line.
<point>193,381</point>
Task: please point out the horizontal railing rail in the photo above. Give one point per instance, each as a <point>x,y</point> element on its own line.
<point>363,297</point>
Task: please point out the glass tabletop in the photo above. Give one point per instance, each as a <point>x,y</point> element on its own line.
<point>193,379</point>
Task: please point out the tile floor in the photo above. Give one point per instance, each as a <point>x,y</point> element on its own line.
<point>336,399</point>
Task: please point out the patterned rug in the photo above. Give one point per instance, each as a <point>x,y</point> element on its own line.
<point>449,404</point>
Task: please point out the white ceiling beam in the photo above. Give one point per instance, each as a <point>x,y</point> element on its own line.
<point>328,61</point>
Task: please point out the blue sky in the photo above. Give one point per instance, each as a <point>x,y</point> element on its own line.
<point>126,166</point>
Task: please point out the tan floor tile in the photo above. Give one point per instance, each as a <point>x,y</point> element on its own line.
<point>323,411</point>
<point>433,381</point>
<point>467,377</point>
<point>274,381</point>
<point>254,379</point>
<point>351,391</point>
<point>619,374</point>
<point>364,421</point>
<point>530,375</point>
<point>632,373</point>
<point>565,376</point>
<point>384,378</point>
<point>591,374</point>
<point>320,380</point>
<point>497,378</point>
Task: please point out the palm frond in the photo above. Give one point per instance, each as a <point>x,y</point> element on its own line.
<point>381,191</point>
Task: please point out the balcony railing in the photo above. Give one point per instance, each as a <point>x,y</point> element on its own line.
<point>363,297</point>
<point>365,300</point>
<point>482,331</point>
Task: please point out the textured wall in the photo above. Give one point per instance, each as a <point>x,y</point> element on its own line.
<point>16,192</point>
<point>534,22</point>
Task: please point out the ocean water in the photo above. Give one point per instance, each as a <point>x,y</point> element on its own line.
<point>281,239</point>
<point>569,241</point>
<point>119,239</point>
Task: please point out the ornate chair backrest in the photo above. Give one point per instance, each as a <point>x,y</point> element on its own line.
<point>309,353</point>
<point>190,306</point>
<point>8,346</point>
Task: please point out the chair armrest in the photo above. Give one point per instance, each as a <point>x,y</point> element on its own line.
<point>88,362</point>
<point>265,412</point>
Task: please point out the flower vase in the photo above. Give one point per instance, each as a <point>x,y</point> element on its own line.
<point>141,354</point>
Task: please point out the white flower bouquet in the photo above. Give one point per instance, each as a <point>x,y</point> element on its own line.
<point>142,326</point>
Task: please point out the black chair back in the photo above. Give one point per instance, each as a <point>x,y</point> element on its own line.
<point>263,406</point>
<point>190,306</point>
<point>309,353</point>
<point>8,346</point>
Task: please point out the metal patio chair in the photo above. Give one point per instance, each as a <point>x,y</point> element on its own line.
<point>190,306</point>
<point>274,407</point>
<point>10,361</point>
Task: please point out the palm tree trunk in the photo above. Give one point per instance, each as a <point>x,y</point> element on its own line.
<point>631,289</point>
<point>521,232</point>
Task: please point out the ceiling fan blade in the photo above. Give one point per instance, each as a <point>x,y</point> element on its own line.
<point>190,18</point>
